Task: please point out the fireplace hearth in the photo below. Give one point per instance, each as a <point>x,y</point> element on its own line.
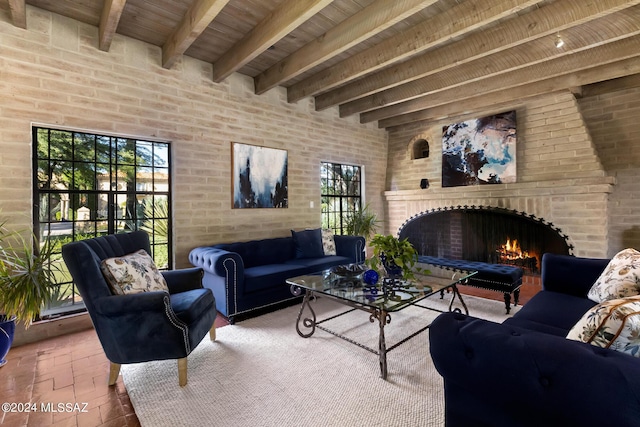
<point>485,234</point>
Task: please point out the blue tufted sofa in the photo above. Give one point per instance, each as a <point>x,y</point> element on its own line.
<point>246,276</point>
<point>524,372</point>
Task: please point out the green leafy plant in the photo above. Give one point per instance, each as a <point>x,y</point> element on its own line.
<point>363,223</point>
<point>395,252</point>
<point>27,278</point>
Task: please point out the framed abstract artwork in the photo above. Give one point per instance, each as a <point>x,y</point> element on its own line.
<point>259,177</point>
<point>480,151</point>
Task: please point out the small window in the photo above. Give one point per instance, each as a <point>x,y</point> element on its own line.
<point>340,193</point>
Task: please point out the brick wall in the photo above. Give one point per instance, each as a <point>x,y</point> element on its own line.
<point>612,119</point>
<point>53,74</point>
<point>560,175</point>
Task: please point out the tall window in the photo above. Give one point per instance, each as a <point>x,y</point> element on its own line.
<point>340,194</point>
<point>88,185</point>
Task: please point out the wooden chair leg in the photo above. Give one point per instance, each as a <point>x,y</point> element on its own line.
<point>182,372</point>
<point>212,332</point>
<point>114,371</point>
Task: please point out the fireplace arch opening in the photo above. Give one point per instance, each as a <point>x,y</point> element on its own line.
<point>486,234</point>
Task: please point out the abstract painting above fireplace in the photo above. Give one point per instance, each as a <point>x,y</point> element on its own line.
<point>480,151</point>
<point>485,234</point>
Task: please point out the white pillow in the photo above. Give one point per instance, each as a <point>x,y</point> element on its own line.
<point>133,273</point>
<point>621,278</point>
<point>328,242</point>
<point>613,324</point>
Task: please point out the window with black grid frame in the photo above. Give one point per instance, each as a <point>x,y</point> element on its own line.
<point>341,194</point>
<point>88,185</point>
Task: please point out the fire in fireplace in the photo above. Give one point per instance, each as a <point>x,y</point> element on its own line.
<point>486,234</point>
<point>511,253</point>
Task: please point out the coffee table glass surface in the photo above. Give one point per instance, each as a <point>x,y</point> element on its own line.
<point>351,287</point>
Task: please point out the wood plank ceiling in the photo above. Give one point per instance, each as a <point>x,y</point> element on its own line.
<point>390,61</point>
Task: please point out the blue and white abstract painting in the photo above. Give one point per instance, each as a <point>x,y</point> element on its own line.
<point>480,151</point>
<point>259,177</point>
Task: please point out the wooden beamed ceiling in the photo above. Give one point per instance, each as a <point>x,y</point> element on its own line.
<point>391,61</point>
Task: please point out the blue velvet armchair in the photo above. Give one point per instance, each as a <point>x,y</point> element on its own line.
<point>144,326</point>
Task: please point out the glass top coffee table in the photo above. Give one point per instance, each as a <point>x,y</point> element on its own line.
<point>380,300</point>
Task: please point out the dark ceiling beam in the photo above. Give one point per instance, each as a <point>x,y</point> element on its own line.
<point>288,16</point>
<point>111,13</point>
<point>373,19</point>
<point>613,85</point>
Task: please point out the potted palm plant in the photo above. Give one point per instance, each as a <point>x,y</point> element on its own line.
<point>26,283</point>
<point>362,222</point>
<point>397,257</point>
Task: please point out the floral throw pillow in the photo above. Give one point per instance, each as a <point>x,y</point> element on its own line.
<point>133,273</point>
<point>621,278</point>
<point>613,324</point>
<point>328,242</point>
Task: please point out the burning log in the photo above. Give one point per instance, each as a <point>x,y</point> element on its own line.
<point>511,253</point>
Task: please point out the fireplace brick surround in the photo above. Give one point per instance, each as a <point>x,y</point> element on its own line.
<point>560,176</point>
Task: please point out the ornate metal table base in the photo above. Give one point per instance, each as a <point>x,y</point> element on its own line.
<point>310,322</point>
<point>456,293</point>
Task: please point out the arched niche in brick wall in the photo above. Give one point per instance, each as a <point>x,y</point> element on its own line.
<point>419,146</point>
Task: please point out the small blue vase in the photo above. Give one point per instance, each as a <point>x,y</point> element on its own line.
<point>7,329</point>
<point>393,270</point>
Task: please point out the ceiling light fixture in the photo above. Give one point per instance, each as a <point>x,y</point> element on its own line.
<point>559,42</point>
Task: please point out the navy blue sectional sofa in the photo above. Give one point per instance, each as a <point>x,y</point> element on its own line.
<point>524,372</point>
<point>246,276</point>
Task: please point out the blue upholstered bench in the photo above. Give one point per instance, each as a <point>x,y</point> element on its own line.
<point>496,277</point>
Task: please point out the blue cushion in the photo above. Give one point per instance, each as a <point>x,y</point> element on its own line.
<point>551,312</point>
<point>569,274</point>
<point>498,273</point>
<point>190,306</point>
<point>322,263</point>
<point>308,243</point>
<point>267,276</point>
<point>262,252</point>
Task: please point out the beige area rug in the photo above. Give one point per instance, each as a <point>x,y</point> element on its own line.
<point>259,372</point>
